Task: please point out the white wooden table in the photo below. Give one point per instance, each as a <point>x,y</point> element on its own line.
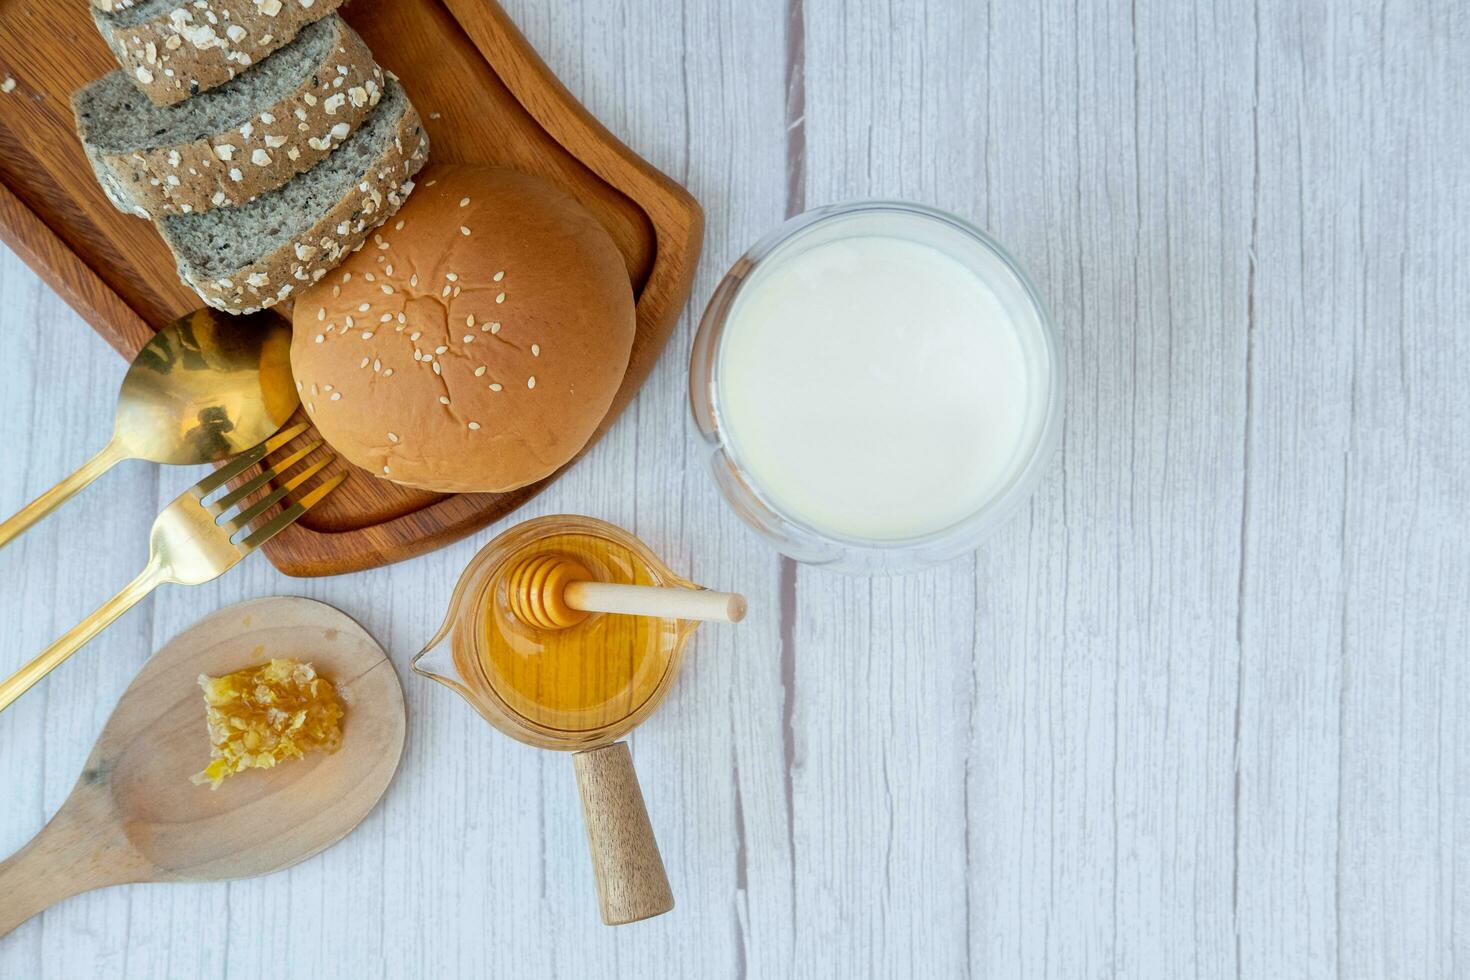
<point>1196,711</point>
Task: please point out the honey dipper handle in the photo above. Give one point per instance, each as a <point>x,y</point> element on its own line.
<point>650,600</point>
<point>631,883</point>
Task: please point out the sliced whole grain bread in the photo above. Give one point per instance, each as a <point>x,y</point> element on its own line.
<point>225,146</point>
<point>173,49</point>
<point>245,258</point>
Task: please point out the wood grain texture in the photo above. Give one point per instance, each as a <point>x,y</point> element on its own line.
<point>1195,712</point>
<point>631,882</point>
<point>485,97</point>
<point>135,814</point>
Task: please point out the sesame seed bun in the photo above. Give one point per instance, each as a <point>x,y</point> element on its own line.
<point>475,342</point>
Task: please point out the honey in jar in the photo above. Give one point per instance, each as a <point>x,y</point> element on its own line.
<point>568,688</point>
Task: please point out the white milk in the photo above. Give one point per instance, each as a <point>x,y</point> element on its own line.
<point>875,388</point>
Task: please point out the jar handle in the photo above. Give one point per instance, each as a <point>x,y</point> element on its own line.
<point>631,882</point>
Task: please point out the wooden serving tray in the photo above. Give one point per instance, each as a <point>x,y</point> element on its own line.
<point>485,97</point>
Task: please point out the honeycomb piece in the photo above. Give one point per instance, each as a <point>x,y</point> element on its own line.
<point>262,715</point>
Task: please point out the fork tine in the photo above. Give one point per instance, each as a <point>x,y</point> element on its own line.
<point>290,515</point>
<point>255,510</point>
<point>229,500</point>
<point>245,460</point>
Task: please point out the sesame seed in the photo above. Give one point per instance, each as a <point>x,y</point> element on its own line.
<point>445,291</point>
<point>469,338</point>
<point>451,276</point>
<point>321,314</point>
<point>415,335</point>
<point>418,355</point>
<point>320,338</point>
<point>369,276</point>
<point>388,372</point>
<point>377,365</point>
<point>367,335</point>
<point>474,425</point>
<point>500,298</point>
<point>386,318</point>
<point>385,471</point>
<point>535,350</point>
<point>325,388</point>
<point>387,289</point>
<point>398,227</point>
<point>413,280</point>
<point>392,437</point>
<point>336,396</point>
<point>442,348</point>
<point>443,399</point>
<point>495,328</point>
<point>469,321</point>
<point>364,307</point>
<point>311,406</point>
<point>388,269</point>
<point>363,363</point>
<point>436,368</point>
<point>464,231</point>
<point>531,381</point>
<point>495,387</point>
<point>499,275</point>
<point>479,372</point>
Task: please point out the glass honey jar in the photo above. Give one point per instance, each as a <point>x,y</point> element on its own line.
<point>581,687</point>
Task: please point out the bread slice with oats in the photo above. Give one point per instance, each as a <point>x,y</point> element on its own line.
<point>232,143</point>
<point>242,259</point>
<point>173,49</point>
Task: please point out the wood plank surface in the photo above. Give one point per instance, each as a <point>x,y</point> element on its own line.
<point>1193,712</point>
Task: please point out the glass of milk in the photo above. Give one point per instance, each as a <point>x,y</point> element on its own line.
<point>880,384</point>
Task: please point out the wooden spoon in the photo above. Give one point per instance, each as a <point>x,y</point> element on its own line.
<point>135,816</point>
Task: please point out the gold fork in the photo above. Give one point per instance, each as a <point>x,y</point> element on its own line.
<point>192,542</point>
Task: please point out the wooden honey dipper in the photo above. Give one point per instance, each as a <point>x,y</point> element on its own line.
<point>552,592</point>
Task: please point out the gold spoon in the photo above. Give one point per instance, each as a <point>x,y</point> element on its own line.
<point>206,387</point>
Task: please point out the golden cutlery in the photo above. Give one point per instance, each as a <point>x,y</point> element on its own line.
<point>193,541</point>
<point>207,386</point>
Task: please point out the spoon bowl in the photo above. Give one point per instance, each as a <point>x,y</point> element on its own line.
<point>206,387</point>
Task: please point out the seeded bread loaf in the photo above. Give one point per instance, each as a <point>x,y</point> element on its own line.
<point>173,49</point>
<point>245,258</point>
<point>225,146</point>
